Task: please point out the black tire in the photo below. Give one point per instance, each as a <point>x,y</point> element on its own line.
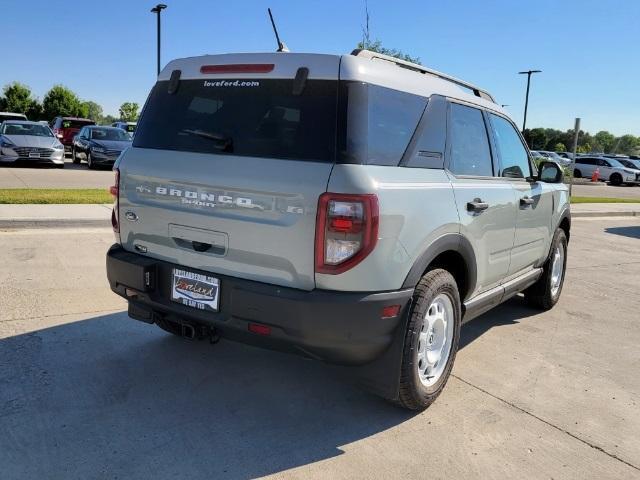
<point>615,179</point>
<point>577,173</point>
<point>74,156</point>
<point>414,395</point>
<point>540,294</point>
<point>60,165</point>
<point>90,164</point>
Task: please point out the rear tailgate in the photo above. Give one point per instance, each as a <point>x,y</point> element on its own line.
<point>225,174</point>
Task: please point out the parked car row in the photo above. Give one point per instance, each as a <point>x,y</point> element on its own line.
<point>610,169</point>
<point>24,140</point>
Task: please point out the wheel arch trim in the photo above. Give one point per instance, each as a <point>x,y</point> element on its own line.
<point>453,242</point>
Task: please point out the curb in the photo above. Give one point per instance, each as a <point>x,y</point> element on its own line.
<point>53,223</point>
<point>629,213</point>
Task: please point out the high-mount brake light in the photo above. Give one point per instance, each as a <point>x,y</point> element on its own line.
<point>346,231</point>
<point>238,68</point>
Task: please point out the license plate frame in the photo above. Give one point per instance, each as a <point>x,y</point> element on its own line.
<point>34,154</point>
<point>195,290</point>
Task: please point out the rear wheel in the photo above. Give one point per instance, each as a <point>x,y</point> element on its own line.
<point>545,293</point>
<point>577,173</point>
<point>615,179</point>
<point>431,340</point>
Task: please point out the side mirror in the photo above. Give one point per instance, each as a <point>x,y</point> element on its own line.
<point>550,172</point>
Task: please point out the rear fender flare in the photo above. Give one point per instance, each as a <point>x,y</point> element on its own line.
<point>450,242</point>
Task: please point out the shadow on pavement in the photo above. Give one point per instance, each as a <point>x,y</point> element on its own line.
<point>110,397</point>
<point>113,398</point>
<point>632,232</point>
<point>509,313</point>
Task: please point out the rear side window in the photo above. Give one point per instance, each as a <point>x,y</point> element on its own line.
<point>470,153</point>
<point>513,154</point>
<point>379,123</point>
<point>258,118</point>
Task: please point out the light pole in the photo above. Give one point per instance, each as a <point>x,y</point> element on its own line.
<point>157,9</point>
<point>526,102</point>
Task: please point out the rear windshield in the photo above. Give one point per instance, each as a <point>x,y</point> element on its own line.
<point>76,123</point>
<point>259,118</point>
<point>115,134</point>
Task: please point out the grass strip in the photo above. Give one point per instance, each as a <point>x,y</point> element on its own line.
<point>603,200</point>
<point>46,196</point>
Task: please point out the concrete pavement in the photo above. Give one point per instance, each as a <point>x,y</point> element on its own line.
<point>88,393</point>
<point>71,176</point>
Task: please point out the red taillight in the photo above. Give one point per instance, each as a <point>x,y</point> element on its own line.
<point>346,231</point>
<point>115,191</point>
<point>238,68</point>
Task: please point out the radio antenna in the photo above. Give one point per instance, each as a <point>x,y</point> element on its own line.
<point>281,46</point>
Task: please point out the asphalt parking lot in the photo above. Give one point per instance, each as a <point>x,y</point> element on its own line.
<point>88,393</point>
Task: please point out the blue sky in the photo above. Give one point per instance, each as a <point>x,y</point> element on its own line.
<point>587,49</point>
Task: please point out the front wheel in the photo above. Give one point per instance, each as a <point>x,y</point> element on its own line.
<point>545,293</point>
<point>615,179</point>
<point>577,173</point>
<point>74,156</point>
<point>90,163</point>
<point>431,340</point>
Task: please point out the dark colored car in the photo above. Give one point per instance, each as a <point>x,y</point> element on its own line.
<point>65,128</point>
<point>99,145</point>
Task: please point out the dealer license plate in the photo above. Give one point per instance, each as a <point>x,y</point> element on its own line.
<point>195,290</point>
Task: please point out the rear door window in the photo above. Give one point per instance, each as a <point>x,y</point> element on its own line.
<point>258,118</point>
<point>469,152</point>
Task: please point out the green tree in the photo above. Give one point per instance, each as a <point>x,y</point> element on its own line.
<point>62,101</point>
<point>129,112</point>
<point>108,119</point>
<point>537,138</point>
<point>17,98</point>
<point>627,144</point>
<point>376,46</point>
<point>604,141</point>
<point>94,111</point>
<point>559,147</point>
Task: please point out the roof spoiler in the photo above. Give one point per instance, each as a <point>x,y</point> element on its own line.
<point>478,92</point>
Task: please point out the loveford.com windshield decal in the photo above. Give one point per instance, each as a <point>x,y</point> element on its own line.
<point>232,83</point>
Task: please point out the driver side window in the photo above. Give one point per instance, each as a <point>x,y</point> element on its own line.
<point>514,158</point>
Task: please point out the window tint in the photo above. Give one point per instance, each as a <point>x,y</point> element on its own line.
<point>470,153</point>
<point>260,118</point>
<point>379,123</point>
<point>513,154</point>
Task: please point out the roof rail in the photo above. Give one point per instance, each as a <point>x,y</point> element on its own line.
<point>478,92</point>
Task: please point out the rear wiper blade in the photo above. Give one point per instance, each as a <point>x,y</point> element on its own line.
<point>223,142</point>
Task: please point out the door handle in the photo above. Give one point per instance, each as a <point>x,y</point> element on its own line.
<point>477,205</point>
<point>524,201</point>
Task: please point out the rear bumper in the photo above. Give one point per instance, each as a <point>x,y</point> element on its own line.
<point>338,327</point>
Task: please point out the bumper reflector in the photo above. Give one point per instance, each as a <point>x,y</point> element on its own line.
<point>390,311</point>
<point>259,329</point>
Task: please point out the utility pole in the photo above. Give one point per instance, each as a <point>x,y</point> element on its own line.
<point>576,133</point>
<point>526,102</point>
<point>157,9</point>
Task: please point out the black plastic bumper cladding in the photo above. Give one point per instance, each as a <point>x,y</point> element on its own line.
<point>343,328</point>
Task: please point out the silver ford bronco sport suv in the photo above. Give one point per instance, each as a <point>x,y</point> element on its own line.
<point>356,209</point>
